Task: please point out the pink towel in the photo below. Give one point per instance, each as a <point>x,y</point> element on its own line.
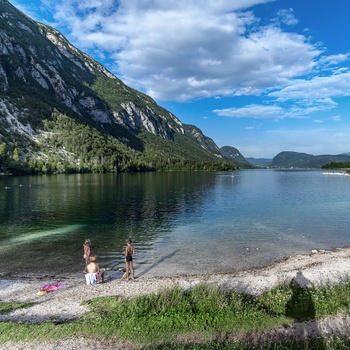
<point>51,287</point>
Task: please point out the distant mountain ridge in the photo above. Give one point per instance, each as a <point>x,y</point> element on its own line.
<point>289,159</point>
<point>261,162</point>
<point>285,159</point>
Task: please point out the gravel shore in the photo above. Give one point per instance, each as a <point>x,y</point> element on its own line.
<point>314,269</point>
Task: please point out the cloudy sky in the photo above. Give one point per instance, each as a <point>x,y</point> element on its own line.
<point>263,76</point>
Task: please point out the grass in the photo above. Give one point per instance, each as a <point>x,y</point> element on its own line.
<point>309,344</point>
<point>6,308</point>
<point>202,310</point>
<point>203,317</point>
<point>302,304</point>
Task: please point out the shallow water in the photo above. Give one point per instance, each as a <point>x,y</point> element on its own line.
<point>180,222</point>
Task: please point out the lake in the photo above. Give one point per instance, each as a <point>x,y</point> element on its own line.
<point>180,223</point>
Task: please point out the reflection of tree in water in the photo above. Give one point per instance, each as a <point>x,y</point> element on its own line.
<point>300,306</point>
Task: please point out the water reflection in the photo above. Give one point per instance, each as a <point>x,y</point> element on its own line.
<point>221,222</point>
<point>46,219</point>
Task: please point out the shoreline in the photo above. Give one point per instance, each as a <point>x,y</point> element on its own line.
<point>309,270</point>
<point>117,273</point>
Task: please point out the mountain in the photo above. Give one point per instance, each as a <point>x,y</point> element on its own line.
<point>197,136</point>
<point>61,111</point>
<point>261,162</point>
<point>303,160</point>
<point>233,154</point>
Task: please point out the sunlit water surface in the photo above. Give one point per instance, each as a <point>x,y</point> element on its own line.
<point>181,223</point>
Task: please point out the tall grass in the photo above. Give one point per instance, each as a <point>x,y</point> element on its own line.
<point>307,303</point>
<point>203,317</point>
<point>202,310</point>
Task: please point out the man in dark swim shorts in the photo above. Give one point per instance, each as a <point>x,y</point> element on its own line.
<point>129,251</point>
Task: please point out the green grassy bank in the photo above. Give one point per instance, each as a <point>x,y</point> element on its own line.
<point>203,317</point>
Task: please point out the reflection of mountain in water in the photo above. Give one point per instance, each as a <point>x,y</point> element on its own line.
<point>217,221</point>
<point>48,221</point>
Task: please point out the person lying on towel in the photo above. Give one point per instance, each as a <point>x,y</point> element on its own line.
<point>93,272</point>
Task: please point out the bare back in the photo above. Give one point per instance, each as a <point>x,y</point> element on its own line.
<point>92,267</point>
<point>129,250</point>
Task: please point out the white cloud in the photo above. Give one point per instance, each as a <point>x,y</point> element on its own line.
<point>286,16</point>
<point>302,109</point>
<point>319,87</point>
<point>334,59</point>
<point>252,111</point>
<point>181,50</point>
<point>336,118</point>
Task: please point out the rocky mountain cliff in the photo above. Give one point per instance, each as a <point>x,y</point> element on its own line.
<point>233,154</point>
<point>60,110</point>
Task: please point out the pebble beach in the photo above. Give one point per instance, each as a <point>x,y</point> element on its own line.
<point>65,304</point>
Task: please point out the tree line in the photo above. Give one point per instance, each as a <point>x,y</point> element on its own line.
<point>337,165</point>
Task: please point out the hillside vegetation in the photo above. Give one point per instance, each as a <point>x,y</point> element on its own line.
<point>61,111</point>
<point>304,160</point>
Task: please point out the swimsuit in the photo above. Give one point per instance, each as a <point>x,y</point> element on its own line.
<point>91,278</point>
<point>128,254</point>
<point>87,253</point>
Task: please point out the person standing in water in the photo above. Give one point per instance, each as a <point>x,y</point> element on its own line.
<point>129,252</point>
<point>87,251</point>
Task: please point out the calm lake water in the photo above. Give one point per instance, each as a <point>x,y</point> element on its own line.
<point>181,223</point>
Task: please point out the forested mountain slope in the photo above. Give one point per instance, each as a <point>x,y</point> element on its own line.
<point>61,111</point>
<point>304,160</point>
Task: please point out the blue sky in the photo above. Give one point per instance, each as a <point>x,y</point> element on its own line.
<point>264,76</point>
